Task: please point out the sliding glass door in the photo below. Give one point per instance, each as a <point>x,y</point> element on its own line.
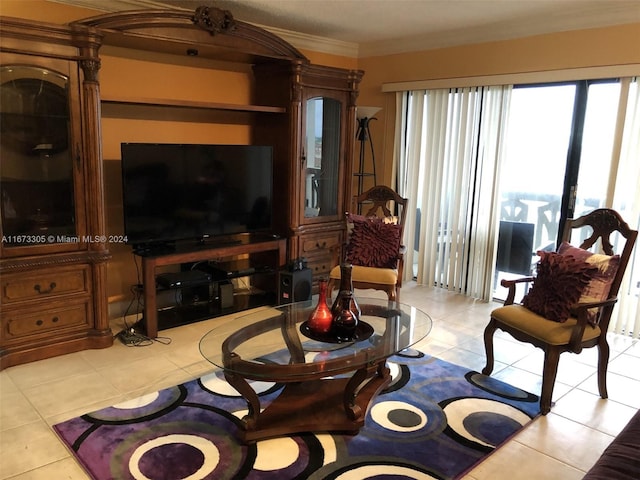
<point>558,153</point>
<point>597,146</point>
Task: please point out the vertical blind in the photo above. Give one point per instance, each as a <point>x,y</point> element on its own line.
<point>625,193</point>
<point>450,153</point>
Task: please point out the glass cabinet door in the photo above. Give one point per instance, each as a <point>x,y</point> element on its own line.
<point>322,148</point>
<point>36,174</point>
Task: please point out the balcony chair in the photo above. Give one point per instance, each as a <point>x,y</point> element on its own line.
<point>374,242</point>
<point>570,303</point>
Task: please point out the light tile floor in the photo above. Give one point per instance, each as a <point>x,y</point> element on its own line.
<point>562,445</point>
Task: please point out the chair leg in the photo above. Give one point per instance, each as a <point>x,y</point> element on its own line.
<point>488,346</point>
<point>392,294</point>
<point>603,362</point>
<point>549,372</point>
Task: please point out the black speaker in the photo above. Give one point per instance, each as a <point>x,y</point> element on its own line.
<point>225,292</point>
<point>294,286</point>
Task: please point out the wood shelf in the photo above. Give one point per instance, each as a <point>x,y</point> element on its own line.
<point>164,102</point>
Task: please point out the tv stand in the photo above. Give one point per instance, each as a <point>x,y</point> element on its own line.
<point>271,248</point>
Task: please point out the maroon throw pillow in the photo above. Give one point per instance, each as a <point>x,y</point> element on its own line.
<point>600,284</point>
<point>373,242</point>
<point>559,282</point>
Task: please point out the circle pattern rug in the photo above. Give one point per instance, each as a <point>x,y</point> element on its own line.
<point>435,420</point>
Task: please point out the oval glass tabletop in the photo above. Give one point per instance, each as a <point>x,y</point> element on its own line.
<point>272,343</point>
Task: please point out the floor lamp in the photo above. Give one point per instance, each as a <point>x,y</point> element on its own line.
<point>363,135</point>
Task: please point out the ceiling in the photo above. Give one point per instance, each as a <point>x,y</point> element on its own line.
<point>376,27</point>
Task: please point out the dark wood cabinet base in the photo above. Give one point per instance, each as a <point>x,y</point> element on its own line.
<point>17,354</point>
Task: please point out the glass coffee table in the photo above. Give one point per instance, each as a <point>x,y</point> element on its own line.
<point>328,386</point>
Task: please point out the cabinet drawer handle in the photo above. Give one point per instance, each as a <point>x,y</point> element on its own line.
<point>41,322</point>
<point>38,288</point>
<point>321,245</point>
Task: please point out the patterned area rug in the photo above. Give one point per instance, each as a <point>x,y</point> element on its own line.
<point>435,421</point>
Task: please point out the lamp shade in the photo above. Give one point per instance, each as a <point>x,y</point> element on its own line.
<point>366,112</point>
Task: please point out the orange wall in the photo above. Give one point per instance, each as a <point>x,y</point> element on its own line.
<point>44,11</point>
<point>321,58</point>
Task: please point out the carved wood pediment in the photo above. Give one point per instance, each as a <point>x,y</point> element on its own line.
<point>214,20</point>
<point>210,31</point>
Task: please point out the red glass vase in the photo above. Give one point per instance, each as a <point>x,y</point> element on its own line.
<point>321,318</point>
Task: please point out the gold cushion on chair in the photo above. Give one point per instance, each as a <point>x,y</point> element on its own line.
<point>381,276</point>
<point>548,331</point>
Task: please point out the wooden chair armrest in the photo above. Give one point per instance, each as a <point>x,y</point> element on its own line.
<point>581,309</point>
<point>587,305</point>
<point>514,281</point>
<point>511,285</point>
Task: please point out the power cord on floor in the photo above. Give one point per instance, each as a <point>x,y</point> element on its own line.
<point>130,336</point>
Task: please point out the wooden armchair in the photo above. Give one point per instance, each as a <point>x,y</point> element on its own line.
<point>595,277</point>
<point>374,242</point>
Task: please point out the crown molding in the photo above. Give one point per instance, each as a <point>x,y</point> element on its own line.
<point>113,6</point>
<point>314,43</point>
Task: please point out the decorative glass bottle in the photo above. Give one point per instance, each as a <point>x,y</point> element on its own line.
<point>321,317</point>
<point>345,323</point>
<point>346,289</point>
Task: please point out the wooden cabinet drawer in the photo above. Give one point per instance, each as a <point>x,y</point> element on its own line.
<point>322,265</point>
<point>312,244</point>
<point>25,286</point>
<point>22,323</point>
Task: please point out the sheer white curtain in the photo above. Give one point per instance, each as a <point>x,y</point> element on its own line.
<point>449,149</point>
<point>626,200</point>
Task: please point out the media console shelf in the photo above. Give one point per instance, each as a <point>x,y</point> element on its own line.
<point>245,246</point>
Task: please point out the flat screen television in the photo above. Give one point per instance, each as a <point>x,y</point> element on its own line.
<point>174,192</point>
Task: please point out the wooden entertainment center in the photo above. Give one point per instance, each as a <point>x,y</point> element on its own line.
<point>54,290</point>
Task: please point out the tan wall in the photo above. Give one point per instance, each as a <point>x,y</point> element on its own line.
<point>44,11</point>
<point>597,47</point>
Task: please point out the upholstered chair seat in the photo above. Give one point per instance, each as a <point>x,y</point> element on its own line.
<point>536,326</point>
<point>374,275</point>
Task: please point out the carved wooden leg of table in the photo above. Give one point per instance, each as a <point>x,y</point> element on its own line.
<point>365,384</point>
<point>238,382</point>
<point>313,405</point>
